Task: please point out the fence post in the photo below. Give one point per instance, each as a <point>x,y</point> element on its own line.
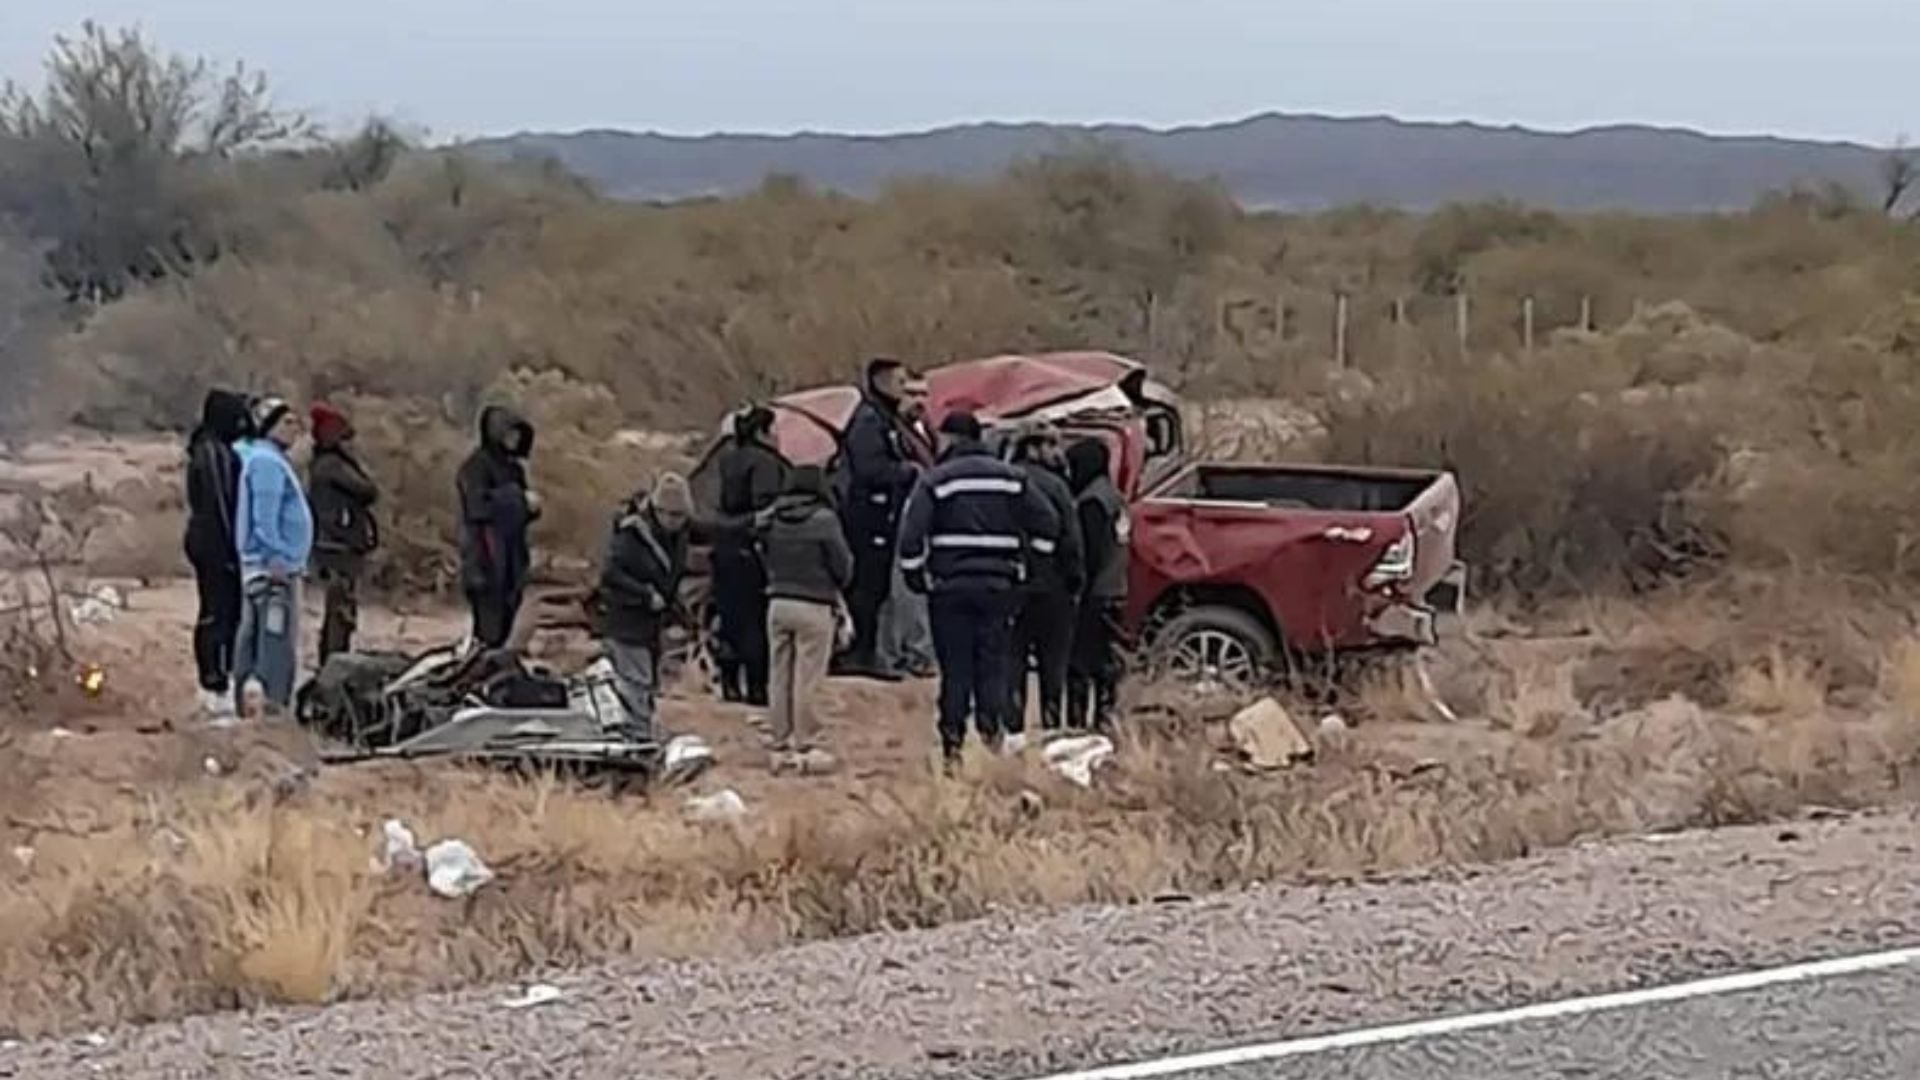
<point>1340,329</point>
<point>1280,316</point>
<point>1526,323</point>
<point>1462,313</point>
<point>1586,314</point>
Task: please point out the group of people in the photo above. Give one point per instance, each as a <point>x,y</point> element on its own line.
<point>256,531</point>
<point>925,551</point>
<point>919,553</point>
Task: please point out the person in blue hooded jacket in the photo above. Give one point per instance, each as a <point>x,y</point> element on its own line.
<point>273,531</point>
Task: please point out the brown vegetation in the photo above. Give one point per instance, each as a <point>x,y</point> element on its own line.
<point>1708,506</point>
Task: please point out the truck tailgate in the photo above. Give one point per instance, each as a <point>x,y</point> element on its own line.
<point>1435,514</point>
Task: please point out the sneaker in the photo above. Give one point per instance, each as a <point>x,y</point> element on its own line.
<point>216,704</point>
<point>1013,743</point>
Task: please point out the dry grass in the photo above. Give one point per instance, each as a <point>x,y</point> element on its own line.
<point>209,895</point>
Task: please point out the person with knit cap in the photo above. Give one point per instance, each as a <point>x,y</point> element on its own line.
<point>273,533</point>
<point>640,574</point>
<point>342,494</point>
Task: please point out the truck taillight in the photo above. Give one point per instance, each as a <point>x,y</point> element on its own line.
<point>1395,564</point>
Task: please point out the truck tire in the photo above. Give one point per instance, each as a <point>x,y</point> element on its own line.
<point>1223,647</point>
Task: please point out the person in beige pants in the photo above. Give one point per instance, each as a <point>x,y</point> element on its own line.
<point>809,566</point>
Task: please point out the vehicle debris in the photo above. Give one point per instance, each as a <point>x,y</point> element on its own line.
<point>724,805</point>
<point>1077,758</point>
<point>1267,738</point>
<point>536,995</point>
<point>454,869</point>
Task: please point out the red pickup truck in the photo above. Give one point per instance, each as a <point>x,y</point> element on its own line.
<point>1237,569</point>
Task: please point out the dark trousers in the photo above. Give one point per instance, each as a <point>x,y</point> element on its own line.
<point>1094,671</point>
<point>493,613</point>
<point>218,624</point>
<point>872,582</point>
<point>1043,638</point>
<point>972,636</point>
<point>340,578</point>
<point>740,600</point>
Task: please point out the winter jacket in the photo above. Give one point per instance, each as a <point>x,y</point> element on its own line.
<point>494,515</point>
<point>640,576</point>
<point>213,480</point>
<point>803,547</point>
<point>971,522</point>
<point>273,527</point>
<point>342,495</point>
<point>752,476</point>
<point>1105,529</point>
<point>878,469</point>
<point>1063,571</point>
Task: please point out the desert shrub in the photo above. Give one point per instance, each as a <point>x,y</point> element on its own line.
<point>1570,480</point>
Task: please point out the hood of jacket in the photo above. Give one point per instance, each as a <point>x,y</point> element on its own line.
<point>224,415</point>
<point>505,432</point>
<point>963,447</point>
<point>1087,461</point>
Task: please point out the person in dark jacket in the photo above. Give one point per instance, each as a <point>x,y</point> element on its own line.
<point>342,494</point>
<point>213,492</point>
<point>497,509</point>
<point>1043,631</point>
<point>1096,665</point>
<point>752,474</point>
<point>639,592</point>
<point>879,474</point>
<point>969,527</point>
<point>906,640</point>
<point>808,568</point>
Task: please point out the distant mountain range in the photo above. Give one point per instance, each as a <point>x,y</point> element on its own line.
<point>1271,161</point>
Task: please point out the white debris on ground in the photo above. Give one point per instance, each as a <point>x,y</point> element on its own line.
<point>684,758</point>
<point>398,848</point>
<point>101,606</point>
<point>213,766</point>
<point>1334,724</point>
<point>1267,737</point>
<point>24,855</point>
<point>454,870</point>
<point>536,995</point>
<point>724,805</point>
<point>1079,757</point>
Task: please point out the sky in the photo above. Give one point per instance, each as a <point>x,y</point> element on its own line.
<point>456,68</point>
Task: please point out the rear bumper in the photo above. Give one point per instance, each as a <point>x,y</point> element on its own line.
<point>1416,624</point>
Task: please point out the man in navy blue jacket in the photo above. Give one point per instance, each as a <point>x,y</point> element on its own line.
<point>969,527</point>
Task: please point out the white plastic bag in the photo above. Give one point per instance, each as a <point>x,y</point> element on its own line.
<point>454,869</point>
<point>398,848</point>
<point>1079,758</point>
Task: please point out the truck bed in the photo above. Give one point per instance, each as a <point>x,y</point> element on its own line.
<point>1303,487</point>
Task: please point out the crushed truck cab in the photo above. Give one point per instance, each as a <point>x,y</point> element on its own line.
<point>1236,569</point>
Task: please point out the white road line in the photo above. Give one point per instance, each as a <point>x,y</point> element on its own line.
<point>1453,1025</point>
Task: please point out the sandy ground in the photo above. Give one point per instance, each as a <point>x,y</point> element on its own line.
<point>1006,998</point>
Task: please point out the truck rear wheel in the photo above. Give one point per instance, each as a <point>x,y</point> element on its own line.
<point>1217,648</point>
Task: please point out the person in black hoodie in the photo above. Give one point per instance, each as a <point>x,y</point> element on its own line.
<point>342,495</point>
<point>879,472</point>
<point>752,473</point>
<point>213,490</point>
<point>1093,673</point>
<point>497,509</point>
<point>1043,631</point>
<point>639,591</point>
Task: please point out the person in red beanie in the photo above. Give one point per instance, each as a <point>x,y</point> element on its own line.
<point>343,495</point>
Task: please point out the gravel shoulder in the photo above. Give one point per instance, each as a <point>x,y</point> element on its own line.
<point>1011,997</point>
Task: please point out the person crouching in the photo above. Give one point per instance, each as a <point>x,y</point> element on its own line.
<point>809,565</point>
<point>639,587</point>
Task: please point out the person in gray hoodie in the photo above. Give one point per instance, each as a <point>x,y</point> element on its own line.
<point>809,565</point>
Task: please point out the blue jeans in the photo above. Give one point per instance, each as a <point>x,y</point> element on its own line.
<point>268,648</point>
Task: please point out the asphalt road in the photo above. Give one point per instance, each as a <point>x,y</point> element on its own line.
<point>1849,1027</point>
